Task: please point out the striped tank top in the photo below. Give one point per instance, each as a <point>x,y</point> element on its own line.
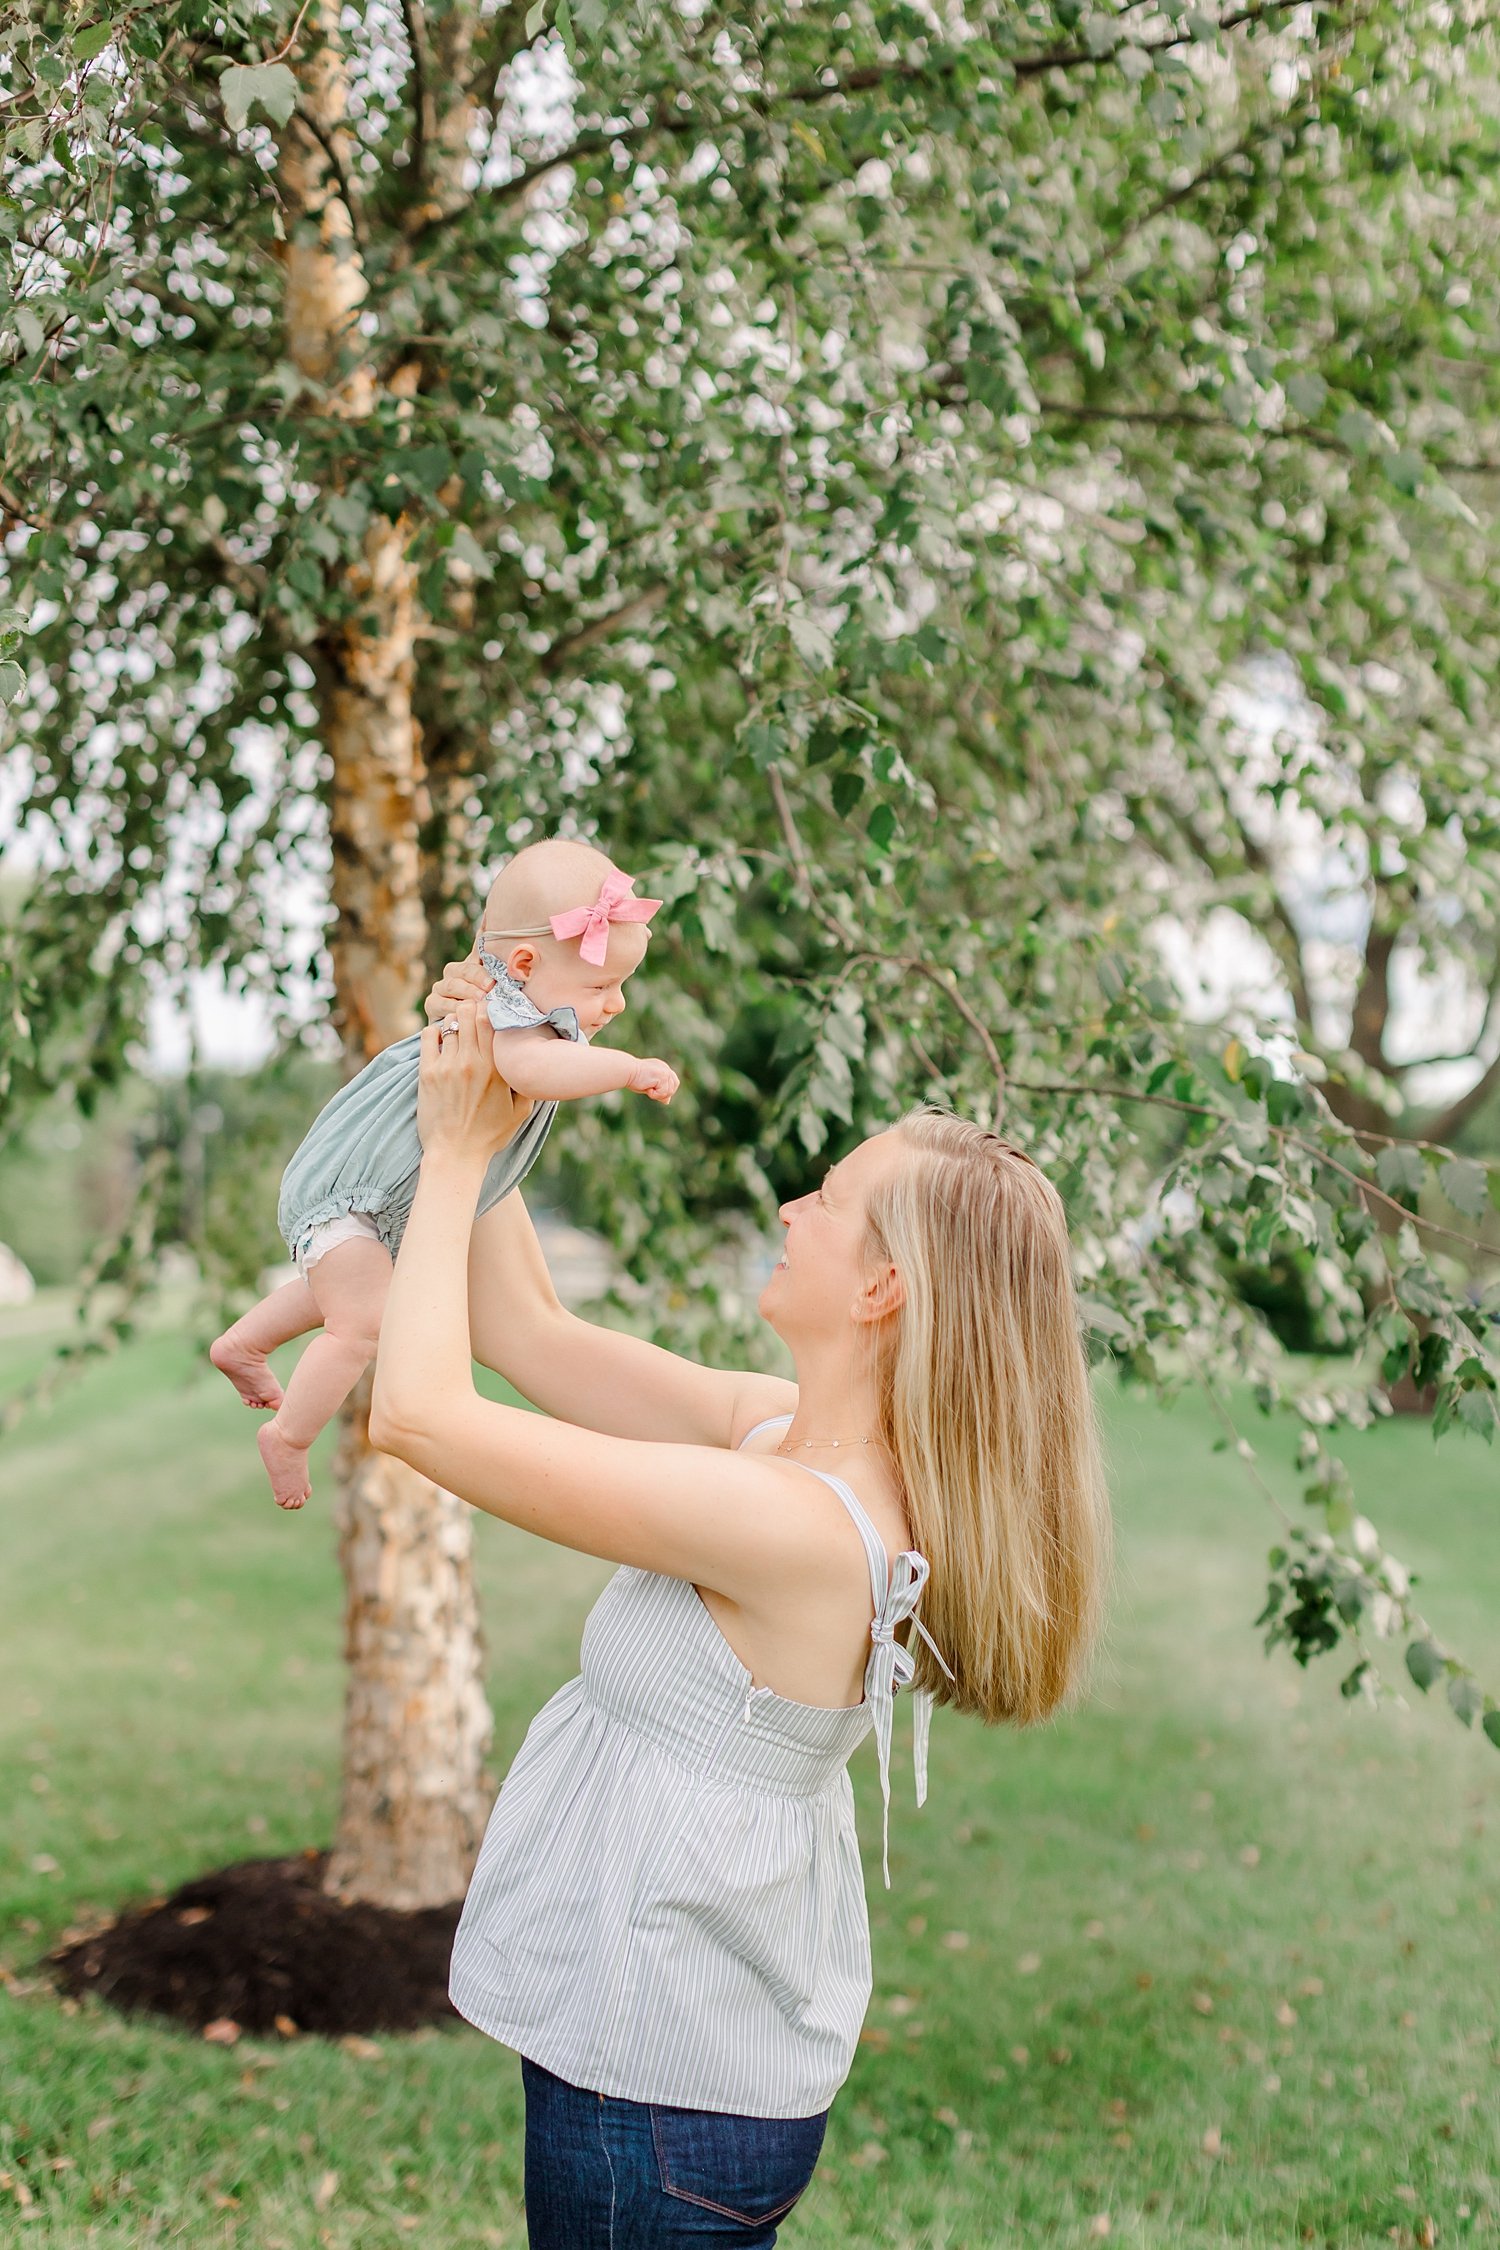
<point>668,1905</point>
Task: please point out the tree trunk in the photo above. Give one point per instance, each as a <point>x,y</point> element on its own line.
<point>416,1724</point>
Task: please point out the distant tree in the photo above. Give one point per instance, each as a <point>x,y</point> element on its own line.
<point>848,458</point>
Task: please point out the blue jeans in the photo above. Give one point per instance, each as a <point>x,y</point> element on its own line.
<point>603,2174</point>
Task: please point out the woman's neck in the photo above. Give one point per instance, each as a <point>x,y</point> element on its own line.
<point>837,1397</point>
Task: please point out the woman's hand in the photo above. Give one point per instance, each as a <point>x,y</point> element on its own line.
<point>464,1107</point>
<point>460,980</point>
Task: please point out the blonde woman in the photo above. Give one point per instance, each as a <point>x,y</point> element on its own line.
<point>667,1919</point>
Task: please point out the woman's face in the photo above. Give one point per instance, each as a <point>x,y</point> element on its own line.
<point>826,1272</point>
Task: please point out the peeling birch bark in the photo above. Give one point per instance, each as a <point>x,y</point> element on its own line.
<point>416,1723</point>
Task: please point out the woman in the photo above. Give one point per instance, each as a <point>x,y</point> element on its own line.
<point>667,1918</point>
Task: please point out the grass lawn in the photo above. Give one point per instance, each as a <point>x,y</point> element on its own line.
<point>1213,1961</point>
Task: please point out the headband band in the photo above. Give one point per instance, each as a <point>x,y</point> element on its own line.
<point>590,924</point>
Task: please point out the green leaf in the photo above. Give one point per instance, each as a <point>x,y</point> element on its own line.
<point>1491,1724</point>
<point>466,549</point>
<point>1424,1664</point>
<point>811,639</point>
<point>268,86</point>
<point>303,573</point>
<point>1284,1100</point>
<point>1466,1697</point>
<point>536,16</point>
<point>848,788</point>
<point>1306,393</point>
<point>882,826</point>
<point>427,466</point>
<point>1359,431</point>
<point>12,680</point>
<point>764,742</point>
<point>1104,1320</point>
<point>92,40</point>
<point>1466,1185</point>
<point>566,31</point>
<point>1477,1409</point>
<point>30,330</point>
<point>1400,1170</point>
<point>349,513</point>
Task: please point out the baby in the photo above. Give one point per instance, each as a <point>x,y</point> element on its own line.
<point>561,933</point>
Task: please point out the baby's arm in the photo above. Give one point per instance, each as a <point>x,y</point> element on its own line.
<point>535,1062</point>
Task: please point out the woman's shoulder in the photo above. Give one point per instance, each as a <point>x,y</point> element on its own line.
<point>759,1401</point>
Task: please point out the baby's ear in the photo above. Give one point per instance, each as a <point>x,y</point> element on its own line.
<point>520,962</point>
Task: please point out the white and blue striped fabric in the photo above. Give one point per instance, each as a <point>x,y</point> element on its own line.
<point>668,1905</point>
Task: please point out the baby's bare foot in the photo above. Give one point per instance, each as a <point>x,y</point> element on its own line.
<point>286,1466</point>
<point>246,1368</point>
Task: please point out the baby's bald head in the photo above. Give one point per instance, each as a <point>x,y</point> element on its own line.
<point>544,879</point>
<point>560,875</point>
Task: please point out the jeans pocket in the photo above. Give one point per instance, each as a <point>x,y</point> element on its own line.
<point>748,2169</point>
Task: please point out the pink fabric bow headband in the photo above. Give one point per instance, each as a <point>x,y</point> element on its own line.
<point>590,924</point>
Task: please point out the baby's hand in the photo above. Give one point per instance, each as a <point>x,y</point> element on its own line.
<point>654,1077</point>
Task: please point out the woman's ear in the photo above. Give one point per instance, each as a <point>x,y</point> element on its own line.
<point>881,1295</point>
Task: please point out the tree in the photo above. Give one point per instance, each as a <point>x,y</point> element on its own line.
<point>849,461</point>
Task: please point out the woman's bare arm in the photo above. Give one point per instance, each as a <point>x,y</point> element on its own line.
<point>592,1376</point>
<point>575,1369</point>
<point>734,1524</point>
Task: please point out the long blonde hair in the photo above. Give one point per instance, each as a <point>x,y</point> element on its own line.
<point>987,1412</point>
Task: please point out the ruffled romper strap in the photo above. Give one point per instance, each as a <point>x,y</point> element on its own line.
<point>896,1590</point>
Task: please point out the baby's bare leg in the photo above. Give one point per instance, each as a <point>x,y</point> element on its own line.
<point>240,1353</point>
<point>349,1284</point>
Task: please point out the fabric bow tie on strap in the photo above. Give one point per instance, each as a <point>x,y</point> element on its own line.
<point>590,924</point>
<point>891,1668</point>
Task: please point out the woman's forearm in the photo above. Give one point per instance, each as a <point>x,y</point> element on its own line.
<point>580,1371</point>
<point>423,1364</point>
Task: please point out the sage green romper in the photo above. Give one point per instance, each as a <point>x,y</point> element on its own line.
<point>363,1153</point>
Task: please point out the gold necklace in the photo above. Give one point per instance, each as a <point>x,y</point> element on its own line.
<point>804,1445</point>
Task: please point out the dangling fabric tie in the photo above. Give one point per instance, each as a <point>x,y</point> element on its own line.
<point>891,1668</point>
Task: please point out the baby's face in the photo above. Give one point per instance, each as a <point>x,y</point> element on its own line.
<point>561,978</point>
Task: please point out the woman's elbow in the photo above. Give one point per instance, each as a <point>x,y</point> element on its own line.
<point>395,1427</point>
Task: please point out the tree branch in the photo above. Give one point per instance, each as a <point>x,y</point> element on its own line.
<point>1280,1133</point>
<point>1284,939</point>
<point>348,193</point>
<point>1426,1062</point>
<point>1457,1114</point>
<point>1186,417</point>
<point>1273,128</point>
<point>856,956</point>
<point>834,83</point>
<point>1172,198</point>
<point>636,610</point>
<point>1372,1001</point>
<point>416,40</point>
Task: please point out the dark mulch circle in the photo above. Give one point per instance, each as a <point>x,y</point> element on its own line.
<point>258,1946</point>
